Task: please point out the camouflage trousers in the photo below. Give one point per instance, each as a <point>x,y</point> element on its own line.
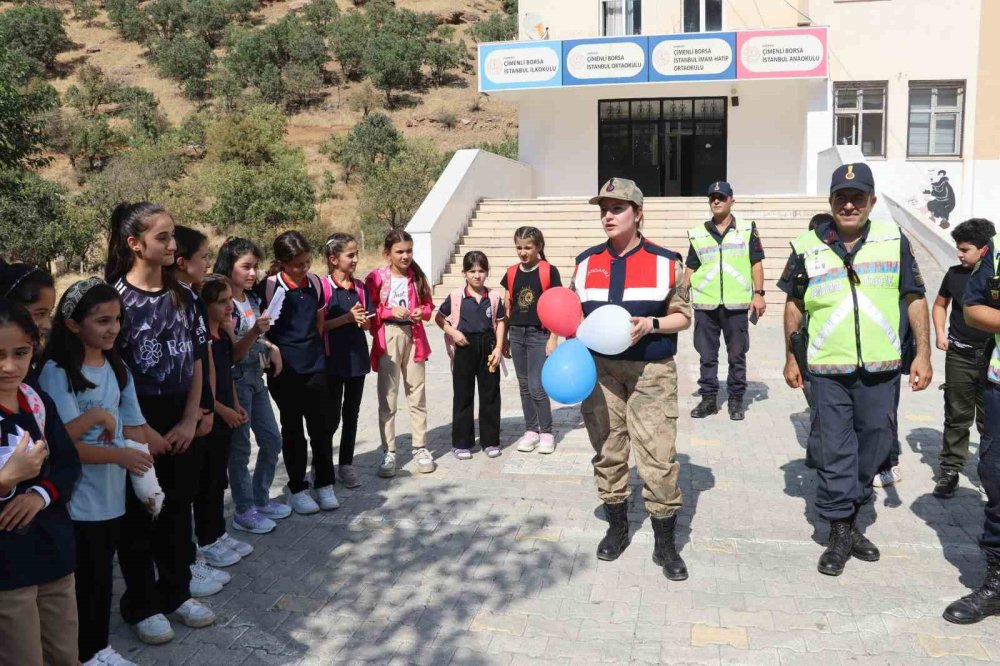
<point>634,408</point>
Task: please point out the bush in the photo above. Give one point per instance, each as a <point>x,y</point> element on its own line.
<point>208,19</point>
<point>261,199</point>
<point>94,90</point>
<point>84,10</point>
<point>364,99</point>
<point>144,173</point>
<point>497,28</point>
<point>168,16</point>
<point>393,63</point>
<point>192,133</point>
<point>252,138</point>
<point>29,202</point>
<point>36,33</point>
<point>443,57</point>
<point>320,14</point>
<point>394,189</point>
<point>371,141</point>
<point>348,36</point>
<point>142,110</point>
<point>186,60</point>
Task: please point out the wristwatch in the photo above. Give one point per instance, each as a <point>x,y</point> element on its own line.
<point>759,292</point>
<point>656,323</point>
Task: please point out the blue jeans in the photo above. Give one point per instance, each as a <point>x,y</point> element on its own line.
<point>527,349</point>
<point>255,399</point>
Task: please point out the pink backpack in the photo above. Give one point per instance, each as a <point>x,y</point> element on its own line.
<point>456,313</point>
<point>359,287</point>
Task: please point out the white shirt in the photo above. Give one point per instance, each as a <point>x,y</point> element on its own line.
<point>399,293</point>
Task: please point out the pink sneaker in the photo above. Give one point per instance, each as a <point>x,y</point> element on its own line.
<point>528,442</point>
<point>547,443</point>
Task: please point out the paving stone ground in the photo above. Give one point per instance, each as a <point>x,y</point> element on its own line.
<point>492,561</point>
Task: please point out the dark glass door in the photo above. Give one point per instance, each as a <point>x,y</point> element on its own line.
<point>669,147</point>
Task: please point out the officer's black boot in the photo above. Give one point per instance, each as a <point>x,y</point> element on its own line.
<point>616,539</point>
<point>706,407</point>
<point>983,602</point>
<point>946,484</point>
<point>664,552</point>
<point>736,410</point>
<point>861,547</point>
<point>833,559</point>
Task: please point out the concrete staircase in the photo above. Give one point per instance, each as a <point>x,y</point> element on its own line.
<point>572,225</point>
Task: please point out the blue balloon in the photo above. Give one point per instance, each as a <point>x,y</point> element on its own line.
<point>569,374</point>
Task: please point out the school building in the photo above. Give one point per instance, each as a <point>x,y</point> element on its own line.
<point>770,95</point>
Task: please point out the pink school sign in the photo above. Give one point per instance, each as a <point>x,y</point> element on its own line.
<point>781,54</point>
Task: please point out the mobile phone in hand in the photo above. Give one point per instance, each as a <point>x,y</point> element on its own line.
<point>753,316</point>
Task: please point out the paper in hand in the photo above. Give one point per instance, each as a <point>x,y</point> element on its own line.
<point>274,308</point>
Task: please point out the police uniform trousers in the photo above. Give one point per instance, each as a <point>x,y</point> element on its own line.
<point>989,472</point>
<point>733,326</point>
<point>852,433</point>
<point>634,408</point>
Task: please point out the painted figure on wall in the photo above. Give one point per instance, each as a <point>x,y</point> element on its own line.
<point>942,201</point>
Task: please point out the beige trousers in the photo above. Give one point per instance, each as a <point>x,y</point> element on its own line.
<point>634,408</point>
<point>395,363</point>
<point>39,625</point>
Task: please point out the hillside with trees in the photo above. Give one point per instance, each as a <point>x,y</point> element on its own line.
<point>241,117</point>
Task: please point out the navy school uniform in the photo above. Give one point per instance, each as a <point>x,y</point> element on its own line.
<point>851,435</point>
<point>301,390</point>
<point>347,363</point>
<point>471,369</point>
<point>984,289</point>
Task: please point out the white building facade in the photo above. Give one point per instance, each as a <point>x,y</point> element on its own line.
<point>679,93</point>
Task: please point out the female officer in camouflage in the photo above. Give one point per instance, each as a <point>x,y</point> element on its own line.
<point>635,402</point>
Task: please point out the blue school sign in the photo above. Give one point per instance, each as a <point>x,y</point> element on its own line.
<point>693,57</point>
<point>589,62</point>
<point>513,65</point>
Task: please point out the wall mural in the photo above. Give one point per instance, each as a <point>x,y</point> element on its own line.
<point>533,27</point>
<point>940,199</point>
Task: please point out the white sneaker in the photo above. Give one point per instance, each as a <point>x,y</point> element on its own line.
<point>546,443</point>
<point>425,461</point>
<point>218,554</point>
<point>327,498</point>
<point>195,614</point>
<point>108,657</point>
<point>527,442</point>
<point>214,574</point>
<point>202,584</point>
<point>302,502</point>
<point>388,467</point>
<point>241,548</point>
<point>889,477</point>
<point>154,630</point>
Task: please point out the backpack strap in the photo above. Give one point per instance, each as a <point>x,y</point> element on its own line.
<point>494,305</point>
<point>359,287</point>
<point>269,287</point>
<point>327,290</point>
<point>545,275</point>
<point>36,406</point>
<point>511,276</point>
<point>317,284</point>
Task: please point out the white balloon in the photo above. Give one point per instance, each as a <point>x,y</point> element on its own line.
<point>607,330</point>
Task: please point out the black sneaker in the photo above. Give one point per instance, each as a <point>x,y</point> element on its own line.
<point>946,484</point>
<point>736,409</point>
<point>706,407</point>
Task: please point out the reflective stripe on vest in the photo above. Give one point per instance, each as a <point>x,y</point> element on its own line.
<point>852,326</point>
<point>724,276</point>
<point>994,371</point>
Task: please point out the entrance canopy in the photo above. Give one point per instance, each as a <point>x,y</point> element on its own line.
<point>792,53</point>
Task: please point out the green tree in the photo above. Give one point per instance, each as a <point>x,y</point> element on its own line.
<point>93,91</point>
<point>364,99</point>
<point>252,138</point>
<point>22,105</point>
<point>320,14</point>
<point>393,63</point>
<point>29,202</point>
<point>168,16</point>
<point>444,56</point>
<point>208,19</point>
<point>371,141</point>
<point>132,23</point>
<point>142,110</point>
<point>497,28</point>
<point>348,36</point>
<point>187,60</point>
<point>84,10</point>
<point>144,173</point>
<point>394,188</point>
<point>37,33</point>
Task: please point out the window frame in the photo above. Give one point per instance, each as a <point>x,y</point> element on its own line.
<point>934,85</point>
<point>859,86</point>
<point>623,25</point>
<point>702,17</point>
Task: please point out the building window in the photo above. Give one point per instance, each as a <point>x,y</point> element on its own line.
<point>859,116</point>
<point>702,15</point>
<point>935,118</point>
<point>621,17</point>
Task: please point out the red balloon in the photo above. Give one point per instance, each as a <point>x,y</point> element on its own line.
<point>560,311</point>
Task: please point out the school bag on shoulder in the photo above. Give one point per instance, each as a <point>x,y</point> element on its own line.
<point>544,277</point>
<point>271,285</point>
<point>456,312</point>
<point>359,287</point>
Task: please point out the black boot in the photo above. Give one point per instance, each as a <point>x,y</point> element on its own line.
<point>833,559</point>
<point>706,407</point>
<point>946,484</point>
<point>736,410</point>
<point>664,552</point>
<point>983,602</point>
<point>862,548</point>
<point>616,539</point>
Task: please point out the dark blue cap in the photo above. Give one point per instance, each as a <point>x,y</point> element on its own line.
<point>855,176</point>
<point>720,187</point>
